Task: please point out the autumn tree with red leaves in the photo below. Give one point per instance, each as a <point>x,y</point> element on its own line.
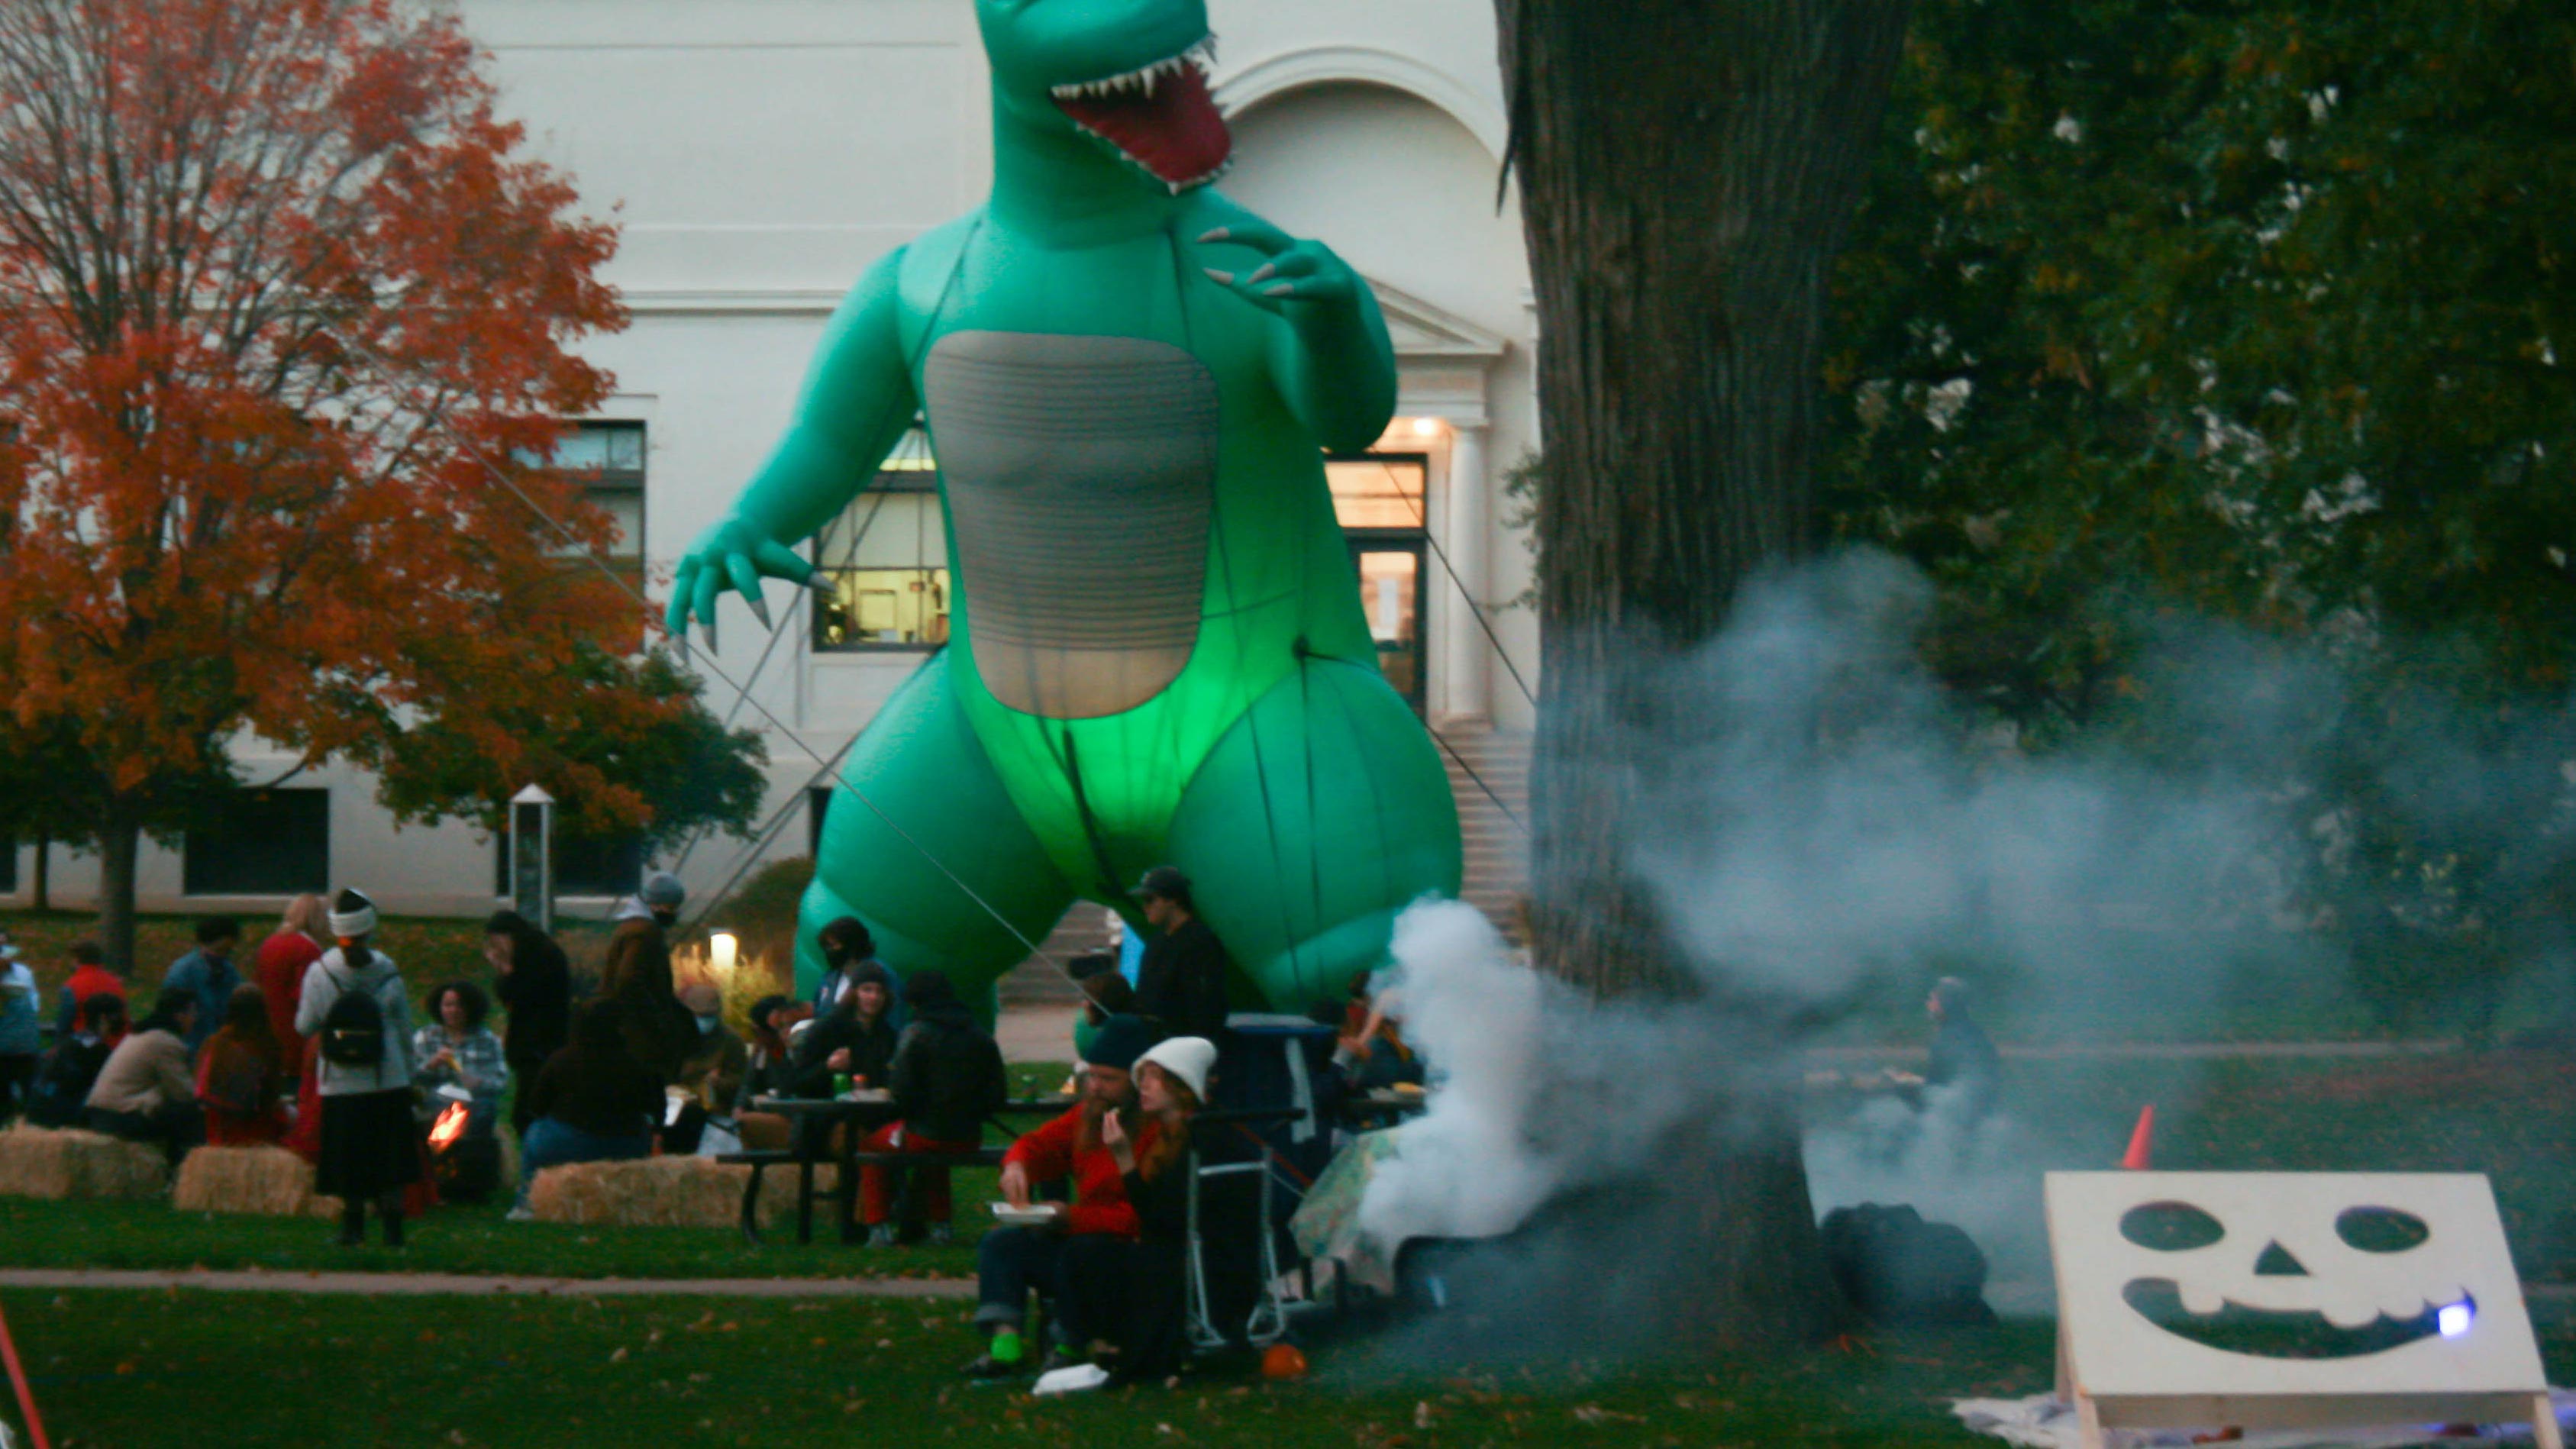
<point>280,300</point>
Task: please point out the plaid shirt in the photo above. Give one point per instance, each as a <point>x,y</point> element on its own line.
<point>479,1067</point>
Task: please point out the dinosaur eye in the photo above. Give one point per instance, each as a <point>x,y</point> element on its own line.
<point>2380,1230</point>
<point>2170,1227</point>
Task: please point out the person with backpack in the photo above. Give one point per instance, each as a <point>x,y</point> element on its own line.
<point>354,1001</point>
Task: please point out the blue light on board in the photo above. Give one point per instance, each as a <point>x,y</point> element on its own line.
<point>2455,1319</point>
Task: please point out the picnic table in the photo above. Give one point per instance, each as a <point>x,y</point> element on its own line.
<point>857,1114</point>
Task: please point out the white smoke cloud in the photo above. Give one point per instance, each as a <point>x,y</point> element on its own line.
<point>1817,821</point>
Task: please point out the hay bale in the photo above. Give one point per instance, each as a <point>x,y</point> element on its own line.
<point>266,1180</point>
<point>42,1162</point>
<point>679,1192</point>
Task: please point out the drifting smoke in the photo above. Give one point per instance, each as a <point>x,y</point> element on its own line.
<point>1823,829</point>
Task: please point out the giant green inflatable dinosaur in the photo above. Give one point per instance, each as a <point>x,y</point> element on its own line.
<point>1127,380</point>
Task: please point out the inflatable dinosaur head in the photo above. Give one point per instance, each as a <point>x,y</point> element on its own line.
<point>1129,74</point>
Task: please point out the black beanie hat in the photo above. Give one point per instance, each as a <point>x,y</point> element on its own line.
<point>1120,1041</point>
<point>927,988</point>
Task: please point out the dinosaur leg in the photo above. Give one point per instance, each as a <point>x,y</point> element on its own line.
<point>924,845</point>
<point>1322,814</point>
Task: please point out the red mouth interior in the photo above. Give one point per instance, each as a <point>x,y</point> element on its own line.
<point>1175,133</point>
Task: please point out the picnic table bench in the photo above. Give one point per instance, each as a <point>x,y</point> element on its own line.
<point>856,1114</point>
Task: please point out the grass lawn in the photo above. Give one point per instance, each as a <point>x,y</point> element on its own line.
<point>140,1369</point>
<point>209,1371</point>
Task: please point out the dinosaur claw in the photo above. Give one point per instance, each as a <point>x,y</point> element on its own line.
<point>1222,279</point>
<point>1216,234</point>
<point>1268,270</point>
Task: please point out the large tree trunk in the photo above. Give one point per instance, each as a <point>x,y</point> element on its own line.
<point>120,845</point>
<point>1687,168</point>
<point>43,899</point>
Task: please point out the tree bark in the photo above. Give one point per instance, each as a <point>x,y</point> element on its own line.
<point>43,896</point>
<point>1688,169</point>
<point>120,845</point>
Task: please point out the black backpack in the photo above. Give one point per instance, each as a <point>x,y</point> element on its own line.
<point>1898,1269</point>
<point>353,1030</point>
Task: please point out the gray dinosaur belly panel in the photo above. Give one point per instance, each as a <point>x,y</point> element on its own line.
<point>1081,476</point>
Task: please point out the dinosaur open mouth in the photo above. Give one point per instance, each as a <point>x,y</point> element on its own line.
<point>1161,117</point>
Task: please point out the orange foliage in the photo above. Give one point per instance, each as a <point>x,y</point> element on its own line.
<point>277,292</point>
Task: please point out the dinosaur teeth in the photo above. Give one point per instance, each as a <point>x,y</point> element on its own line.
<point>1143,80</point>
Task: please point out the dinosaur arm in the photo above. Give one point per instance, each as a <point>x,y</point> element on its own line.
<point>1329,355</point>
<point>1336,368</point>
<point>857,401</point>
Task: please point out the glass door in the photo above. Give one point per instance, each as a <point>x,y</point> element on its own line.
<point>1391,596</point>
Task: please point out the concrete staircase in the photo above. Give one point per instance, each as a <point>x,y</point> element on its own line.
<point>1497,842</point>
<point>1037,982</point>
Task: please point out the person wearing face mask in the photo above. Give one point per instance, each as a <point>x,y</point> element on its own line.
<point>635,978</point>
<point>846,945</point>
<point>711,1073</point>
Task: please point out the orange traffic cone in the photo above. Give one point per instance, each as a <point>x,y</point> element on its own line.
<point>2141,1140</point>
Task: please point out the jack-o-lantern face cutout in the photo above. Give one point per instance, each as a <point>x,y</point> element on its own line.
<point>2339,1287</point>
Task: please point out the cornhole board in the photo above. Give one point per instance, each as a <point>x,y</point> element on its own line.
<point>2361,1267</point>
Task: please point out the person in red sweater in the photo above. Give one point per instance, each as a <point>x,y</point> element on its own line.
<point>278,970</point>
<point>1014,1261</point>
<point>90,977</point>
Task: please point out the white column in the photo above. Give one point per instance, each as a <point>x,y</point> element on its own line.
<point>1466,655</point>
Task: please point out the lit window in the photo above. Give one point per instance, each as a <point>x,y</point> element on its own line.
<point>886,559</point>
<point>1375,493</point>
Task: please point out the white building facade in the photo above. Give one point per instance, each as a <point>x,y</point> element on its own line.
<point>758,155</point>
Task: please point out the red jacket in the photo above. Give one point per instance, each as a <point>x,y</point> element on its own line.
<point>86,982</point>
<point>1099,1194</point>
<point>279,972</point>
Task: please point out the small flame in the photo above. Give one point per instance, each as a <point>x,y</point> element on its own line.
<point>449,1126</point>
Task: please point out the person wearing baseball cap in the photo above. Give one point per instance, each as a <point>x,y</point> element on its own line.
<point>1181,982</point>
<point>1012,1261</point>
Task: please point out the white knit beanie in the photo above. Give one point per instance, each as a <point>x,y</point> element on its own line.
<point>352,916</point>
<point>1187,1057</point>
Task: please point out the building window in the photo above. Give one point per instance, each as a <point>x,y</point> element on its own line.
<point>260,843</point>
<point>609,460</point>
<point>1380,492</point>
<point>886,558</point>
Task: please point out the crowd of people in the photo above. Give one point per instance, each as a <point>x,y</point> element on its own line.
<point>313,1046</point>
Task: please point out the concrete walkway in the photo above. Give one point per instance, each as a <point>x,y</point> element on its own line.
<point>1044,1033</point>
<point>421,1284</point>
